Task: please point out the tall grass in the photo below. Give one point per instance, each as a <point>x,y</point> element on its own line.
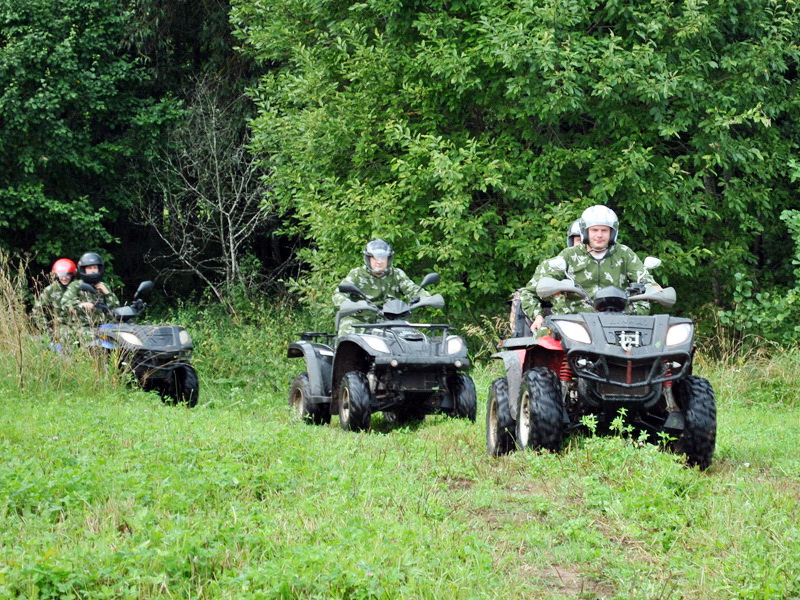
<point>30,365</point>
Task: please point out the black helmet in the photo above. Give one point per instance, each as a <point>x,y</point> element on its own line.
<point>379,249</point>
<point>87,260</point>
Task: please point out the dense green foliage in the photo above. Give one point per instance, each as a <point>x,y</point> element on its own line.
<point>471,133</point>
<point>73,123</point>
<point>770,314</point>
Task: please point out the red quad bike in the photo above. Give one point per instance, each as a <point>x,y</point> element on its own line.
<point>596,363</point>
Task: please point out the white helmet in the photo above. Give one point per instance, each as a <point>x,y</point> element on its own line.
<point>599,215</point>
<point>574,229</point>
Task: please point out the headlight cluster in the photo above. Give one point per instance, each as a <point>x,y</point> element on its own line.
<point>184,338</point>
<point>678,334</point>
<point>574,331</point>
<point>130,338</point>
<point>454,344</point>
<point>376,344</point>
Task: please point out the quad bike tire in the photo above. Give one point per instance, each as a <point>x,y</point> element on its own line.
<point>302,407</point>
<point>465,398</point>
<point>186,386</point>
<point>539,424</point>
<point>698,440</point>
<point>354,402</point>
<point>500,424</point>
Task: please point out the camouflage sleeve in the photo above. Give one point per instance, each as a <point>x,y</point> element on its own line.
<point>71,299</point>
<point>110,299</point>
<point>531,303</point>
<point>635,270</point>
<point>339,297</point>
<point>407,285</point>
<point>38,312</point>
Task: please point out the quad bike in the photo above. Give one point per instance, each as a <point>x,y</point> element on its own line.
<point>158,356</point>
<point>406,370</point>
<point>596,363</point>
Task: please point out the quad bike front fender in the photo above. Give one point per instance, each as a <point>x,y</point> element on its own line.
<point>319,363</point>
<point>513,361</point>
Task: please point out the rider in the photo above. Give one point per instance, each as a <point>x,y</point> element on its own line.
<point>379,281</point>
<point>80,306</point>
<point>47,309</point>
<point>574,234</point>
<point>520,322</point>
<point>598,261</point>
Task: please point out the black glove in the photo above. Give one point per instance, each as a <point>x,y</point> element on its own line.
<point>414,299</point>
<point>635,289</point>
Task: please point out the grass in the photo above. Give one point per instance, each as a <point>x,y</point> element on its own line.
<point>108,493</point>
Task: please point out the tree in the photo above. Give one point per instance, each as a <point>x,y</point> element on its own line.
<point>73,126</point>
<point>471,134</point>
<point>208,208</point>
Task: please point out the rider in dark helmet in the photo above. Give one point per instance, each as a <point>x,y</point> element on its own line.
<point>574,233</point>
<point>79,305</point>
<point>91,276</point>
<point>379,281</point>
<point>378,256</point>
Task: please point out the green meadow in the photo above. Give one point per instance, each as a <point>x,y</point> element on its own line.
<point>109,493</point>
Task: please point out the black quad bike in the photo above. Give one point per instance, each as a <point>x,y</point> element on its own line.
<point>596,363</point>
<point>406,370</point>
<point>158,356</point>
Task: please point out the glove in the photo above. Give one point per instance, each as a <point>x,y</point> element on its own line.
<point>414,299</point>
<point>635,289</point>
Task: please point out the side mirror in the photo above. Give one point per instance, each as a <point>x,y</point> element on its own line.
<point>85,287</point>
<point>143,289</point>
<point>429,279</point>
<point>651,262</point>
<point>558,263</point>
<point>349,288</point>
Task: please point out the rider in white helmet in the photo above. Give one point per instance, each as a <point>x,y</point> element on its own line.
<point>597,262</point>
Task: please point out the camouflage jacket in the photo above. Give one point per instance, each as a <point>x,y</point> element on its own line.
<point>47,308</point>
<point>72,310</point>
<point>395,284</point>
<point>619,267</point>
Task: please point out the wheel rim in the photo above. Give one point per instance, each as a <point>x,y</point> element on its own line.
<point>525,419</point>
<point>344,405</point>
<point>491,431</point>
<point>297,402</point>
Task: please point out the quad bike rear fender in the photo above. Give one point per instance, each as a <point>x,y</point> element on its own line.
<point>319,361</point>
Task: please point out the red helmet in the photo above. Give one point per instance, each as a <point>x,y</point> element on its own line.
<point>64,266</point>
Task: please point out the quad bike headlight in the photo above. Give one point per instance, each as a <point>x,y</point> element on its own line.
<point>377,344</point>
<point>454,344</point>
<point>130,338</point>
<point>678,334</point>
<point>574,331</point>
<point>184,338</point>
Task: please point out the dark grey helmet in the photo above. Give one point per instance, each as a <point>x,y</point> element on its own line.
<point>379,249</point>
<point>574,229</point>
<point>89,259</point>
